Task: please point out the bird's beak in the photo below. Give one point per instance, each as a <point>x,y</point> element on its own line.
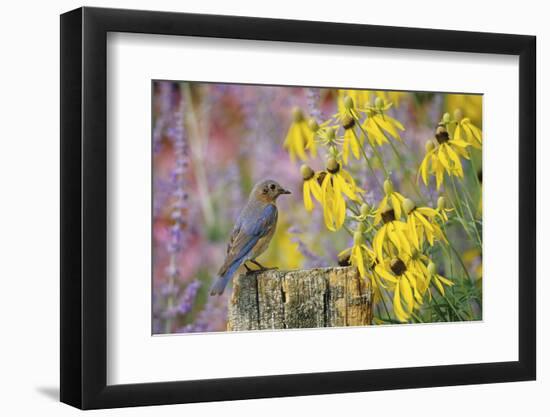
<point>283,191</point>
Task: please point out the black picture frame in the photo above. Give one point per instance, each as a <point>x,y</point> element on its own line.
<point>84,207</point>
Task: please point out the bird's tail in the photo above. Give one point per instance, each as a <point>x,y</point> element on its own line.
<point>221,282</point>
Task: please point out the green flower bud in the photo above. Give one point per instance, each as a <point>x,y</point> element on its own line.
<point>429,146</point>
<point>333,152</point>
<point>361,227</point>
<point>408,205</point>
<point>388,186</point>
<point>358,238</point>
<point>365,210</point>
<point>458,115</point>
<point>441,203</point>
<point>297,115</point>
<point>446,118</point>
<point>307,172</point>
<point>313,126</point>
<point>331,133</point>
<point>332,165</point>
<point>379,103</point>
<point>348,102</point>
<point>432,268</point>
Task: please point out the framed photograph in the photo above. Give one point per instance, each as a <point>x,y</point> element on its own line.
<point>257,208</point>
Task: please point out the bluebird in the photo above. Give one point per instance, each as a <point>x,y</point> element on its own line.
<point>252,232</point>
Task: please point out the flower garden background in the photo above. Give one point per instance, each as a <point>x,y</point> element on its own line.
<point>389,182</point>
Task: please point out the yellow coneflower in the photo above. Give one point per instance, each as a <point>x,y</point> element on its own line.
<point>351,139</point>
<point>467,131</point>
<point>364,259</point>
<point>336,183</point>
<point>418,262</point>
<point>378,122</point>
<point>348,118</point>
<point>392,199</point>
<point>420,221</point>
<point>445,157</point>
<point>299,137</point>
<point>393,232</point>
<point>403,277</point>
<point>310,186</point>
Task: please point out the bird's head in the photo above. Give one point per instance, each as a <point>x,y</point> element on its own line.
<point>268,191</point>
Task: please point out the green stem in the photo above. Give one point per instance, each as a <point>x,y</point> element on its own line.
<point>367,159</point>
<point>382,293</point>
<point>386,175</point>
<point>402,163</point>
<point>457,314</point>
<point>457,255</point>
<point>416,317</point>
<point>478,237</point>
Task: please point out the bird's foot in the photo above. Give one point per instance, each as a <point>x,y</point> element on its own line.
<point>262,268</point>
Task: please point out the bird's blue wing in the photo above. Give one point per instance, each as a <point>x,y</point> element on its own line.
<point>245,237</point>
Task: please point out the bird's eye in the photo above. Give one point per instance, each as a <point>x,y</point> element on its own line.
<point>272,186</point>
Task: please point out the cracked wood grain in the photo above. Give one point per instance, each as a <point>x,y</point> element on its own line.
<point>322,297</point>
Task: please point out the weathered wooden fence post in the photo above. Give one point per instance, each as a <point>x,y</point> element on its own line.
<point>323,297</point>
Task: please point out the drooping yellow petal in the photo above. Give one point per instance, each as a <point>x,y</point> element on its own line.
<point>457,136</point>
<point>348,185</point>
<point>327,202</point>
<point>374,130</point>
<point>413,231</point>
<point>424,221</point>
<point>378,242</point>
<point>439,286</point>
<point>393,236</point>
<point>424,168</point>
<point>405,288</point>
<point>441,155</point>
<point>403,240</point>
<point>385,274</point>
<point>294,142</point>
<point>307,136</point>
<point>345,149</point>
<point>315,189</point>
<point>439,173</point>
<point>396,205</point>
<point>341,211</point>
<point>359,261</point>
<point>460,143</point>
<point>339,203</point>
<point>457,165</point>
<point>427,211</point>
<point>397,123</point>
<point>308,203</point>
<point>388,127</point>
<point>397,308</point>
<point>354,142</point>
